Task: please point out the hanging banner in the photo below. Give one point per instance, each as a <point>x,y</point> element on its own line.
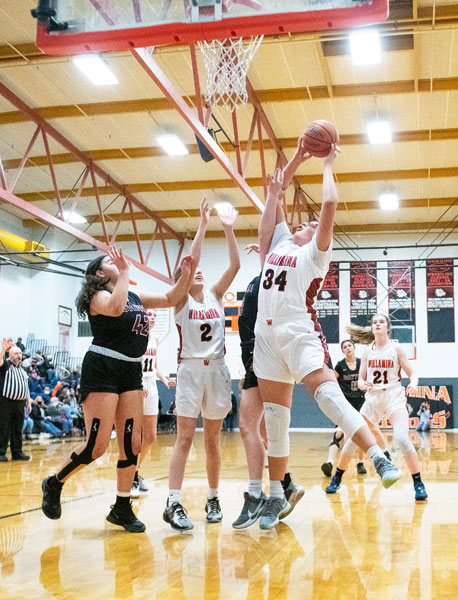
<point>401,282</point>
<point>441,300</point>
<point>327,304</point>
<point>363,292</point>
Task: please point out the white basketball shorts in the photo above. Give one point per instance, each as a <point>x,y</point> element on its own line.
<point>203,386</point>
<point>287,350</point>
<point>380,404</point>
<point>151,402</point>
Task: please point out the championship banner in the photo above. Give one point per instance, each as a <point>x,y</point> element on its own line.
<point>441,300</point>
<point>438,399</point>
<point>327,304</point>
<point>363,292</point>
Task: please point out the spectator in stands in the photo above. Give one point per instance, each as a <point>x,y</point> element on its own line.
<point>14,396</point>
<point>54,411</point>
<point>74,378</point>
<point>43,422</point>
<point>19,344</point>
<point>35,385</point>
<point>27,428</point>
<point>46,395</point>
<point>67,418</point>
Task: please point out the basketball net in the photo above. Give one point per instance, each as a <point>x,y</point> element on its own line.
<point>227,62</point>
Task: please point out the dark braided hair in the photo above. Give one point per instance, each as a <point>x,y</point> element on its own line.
<point>90,287</point>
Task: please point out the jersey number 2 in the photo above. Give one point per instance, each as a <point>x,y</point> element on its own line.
<point>205,329</point>
<point>379,375</point>
<point>280,280</point>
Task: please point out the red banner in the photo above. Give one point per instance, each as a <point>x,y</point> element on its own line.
<point>327,304</point>
<point>441,300</point>
<point>363,292</point>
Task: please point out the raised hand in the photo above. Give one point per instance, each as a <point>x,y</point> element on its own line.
<point>118,258</point>
<point>276,183</point>
<point>205,211</point>
<point>330,158</point>
<point>188,265</point>
<point>252,248</point>
<point>227,215</point>
<point>5,345</point>
<point>301,151</point>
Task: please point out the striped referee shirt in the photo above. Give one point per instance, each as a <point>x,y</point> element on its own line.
<point>14,382</point>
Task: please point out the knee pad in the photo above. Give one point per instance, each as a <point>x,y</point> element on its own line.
<point>337,438</point>
<point>277,420</point>
<point>333,404</point>
<point>84,457</point>
<point>401,437</point>
<point>131,458</point>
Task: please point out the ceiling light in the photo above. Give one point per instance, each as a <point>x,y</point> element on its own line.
<point>74,218</point>
<point>172,144</point>
<point>379,132</point>
<point>365,47</point>
<point>389,201</point>
<point>95,69</point>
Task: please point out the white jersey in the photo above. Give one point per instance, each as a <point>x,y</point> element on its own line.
<point>149,359</point>
<point>291,278</point>
<point>383,368</point>
<point>201,328</point>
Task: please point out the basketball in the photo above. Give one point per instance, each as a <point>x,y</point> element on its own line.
<point>320,135</point>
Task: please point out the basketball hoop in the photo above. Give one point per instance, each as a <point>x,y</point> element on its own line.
<point>227,62</point>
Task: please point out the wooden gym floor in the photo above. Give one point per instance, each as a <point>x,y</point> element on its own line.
<point>363,543</point>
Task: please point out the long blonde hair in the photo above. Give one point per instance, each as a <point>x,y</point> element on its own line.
<point>364,335</point>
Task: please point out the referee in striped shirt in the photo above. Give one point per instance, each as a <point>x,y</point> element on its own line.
<point>14,396</point>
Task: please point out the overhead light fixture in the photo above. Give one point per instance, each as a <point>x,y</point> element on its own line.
<point>74,218</point>
<point>389,201</point>
<point>172,144</point>
<point>95,69</point>
<point>379,132</point>
<point>365,47</point>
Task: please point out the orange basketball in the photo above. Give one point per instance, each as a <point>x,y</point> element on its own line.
<point>320,135</point>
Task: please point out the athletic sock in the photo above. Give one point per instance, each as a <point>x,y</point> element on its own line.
<point>122,501</point>
<point>276,489</point>
<point>53,482</point>
<point>374,452</point>
<point>286,481</point>
<point>339,472</point>
<point>416,477</point>
<point>212,493</point>
<point>174,496</point>
<point>255,487</point>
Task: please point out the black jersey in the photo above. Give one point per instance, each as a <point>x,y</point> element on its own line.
<point>249,310</point>
<point>127,334</point>
<point>348,380</point>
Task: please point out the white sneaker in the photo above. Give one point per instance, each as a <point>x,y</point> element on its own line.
<point>135,491</point>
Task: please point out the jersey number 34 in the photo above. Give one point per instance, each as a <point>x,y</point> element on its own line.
<point>269,280</point>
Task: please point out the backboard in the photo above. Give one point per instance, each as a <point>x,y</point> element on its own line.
<point>78,26</point>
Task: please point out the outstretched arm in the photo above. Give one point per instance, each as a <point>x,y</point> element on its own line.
<point>272,215</point>
<point>196,247</point>
<point>177,292</point>
<point>329,203</point>
<point>3,350</point>
<point>227,219</point>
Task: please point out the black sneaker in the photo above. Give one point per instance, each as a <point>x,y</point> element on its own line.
<point>293,493</point>
<point>20,456</point>
<point>125,517</point>
<point>361,469</point>
<point>51,499</point>
<point>388,455</point>
<point>213,510</point>
<point>327,468</point>
<point>177,517</point>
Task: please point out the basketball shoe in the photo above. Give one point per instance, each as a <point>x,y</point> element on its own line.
<point>420,490</point>
<point>327,468</point>
<point>50,505</point>
<point>213,510</point>
<point>251,511</point>
<point>125,517</point>
<point>388,473</point>
<point>177,517</point>
<point>293,493</point>
<point>334,485</point>
<point>274,509</point>
<point>361,469</point>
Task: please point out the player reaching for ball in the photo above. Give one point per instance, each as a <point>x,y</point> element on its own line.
<point>289,344</point>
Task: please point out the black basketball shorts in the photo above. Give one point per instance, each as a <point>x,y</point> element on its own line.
<point>250,379</point>
<point>101,373</point>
